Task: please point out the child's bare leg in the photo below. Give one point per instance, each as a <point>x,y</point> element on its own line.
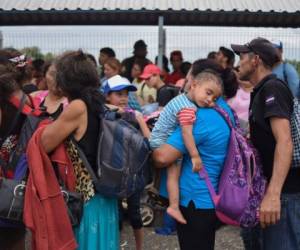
<point>139,238</point>
<point>173,191</point>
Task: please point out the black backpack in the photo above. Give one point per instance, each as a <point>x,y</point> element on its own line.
<point>123,154</point>
<point>31,123</point>
<point>12,191</point>
<point>173,90</point>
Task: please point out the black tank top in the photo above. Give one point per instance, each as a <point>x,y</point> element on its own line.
<point>55,114</point>
<point>89,142</point>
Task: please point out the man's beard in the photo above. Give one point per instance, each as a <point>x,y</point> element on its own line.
<point>247,75</point>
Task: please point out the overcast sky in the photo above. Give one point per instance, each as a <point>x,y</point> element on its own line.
<point>195,42</point>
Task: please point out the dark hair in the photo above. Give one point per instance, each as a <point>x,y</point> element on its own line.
<point>212,55</point>
<point>21,74</point>
<point>165,62</point>
<point>176,53</point>
<point>8,86</point>
<point>139,44</point>
<point>185,67</point>
<point>77,77</point>
<point>228,53</point>
<point>93,59</point>
<point>141,62</point>
<point>108,51</point>
<point>230,82</point>
<point>38,64</point>
<point>46,66</point>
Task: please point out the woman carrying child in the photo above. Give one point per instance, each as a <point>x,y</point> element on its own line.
<point>203,91</point>
<point>211,136</point>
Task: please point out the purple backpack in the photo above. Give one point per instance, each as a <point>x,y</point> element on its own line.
<point>242,184</point>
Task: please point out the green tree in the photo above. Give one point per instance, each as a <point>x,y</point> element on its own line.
<point>33,52</point>
<point>49,56</point>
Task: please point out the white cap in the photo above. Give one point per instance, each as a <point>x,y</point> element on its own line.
<point>117,83</point>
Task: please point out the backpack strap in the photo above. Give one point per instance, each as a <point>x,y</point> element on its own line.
<point>142,90</point>
<point>226,117</point>
<point>204,175</point>
<point>26,109</point>
<point>284,73</point>
<point>85,160</point>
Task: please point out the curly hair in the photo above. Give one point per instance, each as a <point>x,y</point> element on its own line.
<point>78,78</point>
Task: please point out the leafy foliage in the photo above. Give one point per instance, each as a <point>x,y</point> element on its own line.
<point>296,64</point>
<point>35,53</point>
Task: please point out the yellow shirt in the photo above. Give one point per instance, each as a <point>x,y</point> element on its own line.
<point>148,95</point>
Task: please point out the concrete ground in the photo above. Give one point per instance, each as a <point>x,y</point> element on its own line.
<point>227,238</point>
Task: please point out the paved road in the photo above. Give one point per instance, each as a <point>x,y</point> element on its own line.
<point>227,239</point>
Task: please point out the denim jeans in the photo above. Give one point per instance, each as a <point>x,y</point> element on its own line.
<point>285,235</point>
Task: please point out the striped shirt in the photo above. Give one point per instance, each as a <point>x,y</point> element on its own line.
<point>168,120</point>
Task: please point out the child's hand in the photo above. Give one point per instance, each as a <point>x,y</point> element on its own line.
<point>197,163</point>
<point>112,107</point>
<point>138,115</point>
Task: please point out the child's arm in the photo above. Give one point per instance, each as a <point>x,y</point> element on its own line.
<point>186,119</point>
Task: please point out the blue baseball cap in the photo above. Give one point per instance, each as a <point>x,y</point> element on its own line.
<point>117,83</point>
<point>277,44</point>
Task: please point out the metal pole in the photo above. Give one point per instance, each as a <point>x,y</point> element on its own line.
<point>1,40</point>
<point>161,41</point>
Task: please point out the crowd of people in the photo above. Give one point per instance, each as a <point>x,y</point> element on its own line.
<point>188,135</point>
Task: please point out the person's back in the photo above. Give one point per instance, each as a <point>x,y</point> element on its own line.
<point>286,72</point>
<point>211,134</point>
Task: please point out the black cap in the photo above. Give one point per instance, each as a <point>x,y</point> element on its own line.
<point>260,46</point>
<point>140,44</point>
<point>228,53</point>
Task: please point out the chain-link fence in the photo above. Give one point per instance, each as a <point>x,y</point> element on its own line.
<point>194,42</point>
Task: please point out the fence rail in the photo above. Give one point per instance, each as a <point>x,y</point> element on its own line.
<point>195,42</point>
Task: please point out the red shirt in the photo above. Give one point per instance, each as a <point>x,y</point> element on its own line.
<point>174,77</point>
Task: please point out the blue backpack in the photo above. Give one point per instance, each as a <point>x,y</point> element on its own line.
<point>122,158</point>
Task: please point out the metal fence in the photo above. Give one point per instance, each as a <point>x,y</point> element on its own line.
<point>194,42</point>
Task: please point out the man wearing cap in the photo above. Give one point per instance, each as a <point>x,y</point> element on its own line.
<point>225,57</point>
<point>176,60</point>
<point>152,76</point>
<point>271,107</point>
<point>285,71</point>
<point>140,51</point>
